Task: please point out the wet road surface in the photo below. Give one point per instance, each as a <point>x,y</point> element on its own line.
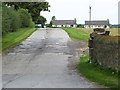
<point>47,59</point>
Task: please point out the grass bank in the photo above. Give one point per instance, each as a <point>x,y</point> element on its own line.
<point>78,34</point>
<point>97,74</point>
<point>14,38</point>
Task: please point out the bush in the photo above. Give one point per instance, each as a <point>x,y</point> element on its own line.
<point>5,20</point>
<point>26,19</point>
<point>32,24</point>
<point>80,26</point>
<point>12,20</point>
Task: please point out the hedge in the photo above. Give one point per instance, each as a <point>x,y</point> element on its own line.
<point>12,20</point>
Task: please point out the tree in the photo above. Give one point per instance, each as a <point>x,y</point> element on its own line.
<point>25,18</point>
<point>75,20</point>
<point>34,8</point>
<point>41,20</point>
<point>80,26</point>
<point>53,18</point>
<point>50,25</point>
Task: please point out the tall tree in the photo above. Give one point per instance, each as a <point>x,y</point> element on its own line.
<point>75,20</point>
<point>41,20</point>
<point>34,8</point>
<point>53,18</point>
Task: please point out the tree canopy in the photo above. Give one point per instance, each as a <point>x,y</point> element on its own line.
<point>34,8</point>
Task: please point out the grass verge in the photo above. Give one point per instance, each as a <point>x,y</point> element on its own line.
<point>14,38</point>
<point>97,74</point>
<point>77,34</point>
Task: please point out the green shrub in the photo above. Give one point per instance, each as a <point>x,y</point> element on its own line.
<point>5,20</point>
<point>32,24</point>
<point>12,20</point>
<point>25,18</point>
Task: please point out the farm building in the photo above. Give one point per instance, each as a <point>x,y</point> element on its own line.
<point>64,23</point>
<point>97,24</point>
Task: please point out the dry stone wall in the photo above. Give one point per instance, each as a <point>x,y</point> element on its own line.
<point>105,51</point>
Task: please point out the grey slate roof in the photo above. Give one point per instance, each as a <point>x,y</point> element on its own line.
<point>63,22</point>
<point>97,22</point>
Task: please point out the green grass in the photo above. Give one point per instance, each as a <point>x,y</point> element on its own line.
<point>77,34</point>
<point>14,38</point>
<point>97,74</point>
<point>83,33</point>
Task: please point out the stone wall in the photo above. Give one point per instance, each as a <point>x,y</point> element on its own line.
<point>104,51</point>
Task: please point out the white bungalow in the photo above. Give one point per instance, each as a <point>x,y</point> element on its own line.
<point>64,23</point>
<point>97,24</point>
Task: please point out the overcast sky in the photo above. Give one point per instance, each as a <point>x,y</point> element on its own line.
<point>79,9</point>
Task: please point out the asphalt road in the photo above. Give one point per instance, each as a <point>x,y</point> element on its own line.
<point>47,59</point>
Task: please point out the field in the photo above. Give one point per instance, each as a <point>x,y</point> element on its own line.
<point>83,33</point>
<point>113,31</point>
